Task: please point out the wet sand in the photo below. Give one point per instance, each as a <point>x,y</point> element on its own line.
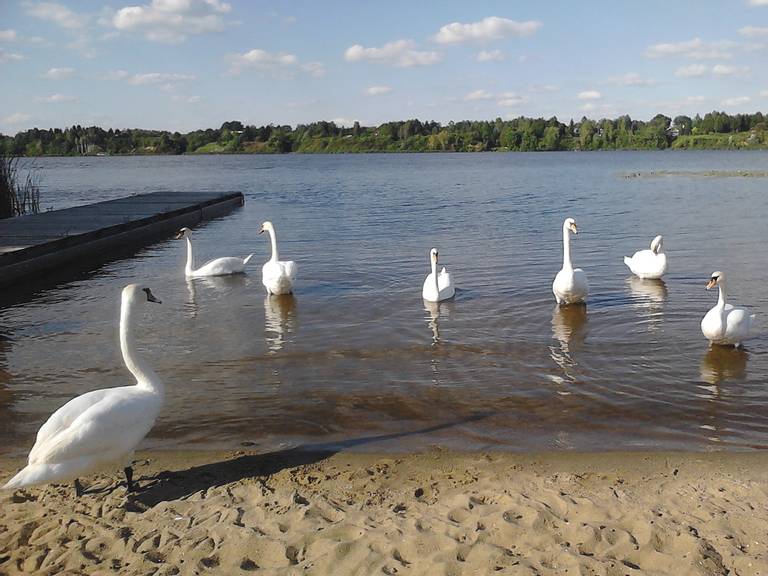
<point>296,512</point>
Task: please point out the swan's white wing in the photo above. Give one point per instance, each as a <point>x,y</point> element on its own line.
<point>289,269</point>
<point>738,323</point>
<point>64,416</point>
<point>113,425</point>
<point>444,280</point>
<point>221,266</point>
<point>646,263</point>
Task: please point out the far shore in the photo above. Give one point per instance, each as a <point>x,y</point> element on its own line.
<point>296,512</point>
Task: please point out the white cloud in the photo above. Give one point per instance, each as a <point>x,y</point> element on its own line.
<point>57,13</point>
<point>490,56</point>
<point>691,71</point>
<point>316,69</point>
<point>56,99</point>
<point>478,95</point>
<point>589,95</point>
<point>276,62</point>
<point>377,90</point>
<point>737,101</point>
<point>58,73</point>
<point>731,71</point>
<point>344,122</point>
<point>158,78</point>
<point>758,2</point>
<point>695,49</point>
<point>17,118</point>
<point>718,71</point>
<point>764,93</point>
<point>507,99</point>
<point>490,28</point>
<point>588,107</point>
<point>172,21</point>
<point>631,79</point>
<point>540,88</point>
<point>186,99</point>
<point>400,53</point>
<point>115,75</point>
<point>9,56</point>
<point>8,36</point>
<point>754,31</point>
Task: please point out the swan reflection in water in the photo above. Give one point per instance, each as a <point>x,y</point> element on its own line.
<point>435,310</point>
<point>569,329</point>
<point>198,288</point>
<point>722,363</point>
<point>648,296</point>
<point>279,320</point>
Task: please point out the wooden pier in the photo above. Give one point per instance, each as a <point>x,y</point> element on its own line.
<point>35,244</point>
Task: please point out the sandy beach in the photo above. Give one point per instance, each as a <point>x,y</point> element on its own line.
<point>298,512</point>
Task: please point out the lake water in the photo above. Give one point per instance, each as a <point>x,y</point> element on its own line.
<point>357,360</point>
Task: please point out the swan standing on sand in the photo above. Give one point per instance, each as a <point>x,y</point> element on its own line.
<point>217,267</point>
<point>437,287</point>
<point>725,324</point>
<point>648,264</point>
<point>100,427</point>
<point>277,275</point>
<point>570,285</point>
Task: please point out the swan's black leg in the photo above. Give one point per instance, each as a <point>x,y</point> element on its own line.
<point>78,488</point>
<point>129,478</point>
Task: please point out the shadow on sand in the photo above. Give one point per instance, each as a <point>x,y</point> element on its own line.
<point>173,485</point>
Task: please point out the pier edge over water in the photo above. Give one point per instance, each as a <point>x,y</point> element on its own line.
<point>35,244</point>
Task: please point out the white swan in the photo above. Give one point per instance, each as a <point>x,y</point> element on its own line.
<point>278,276</point>
<point>100,427</point>
<point>437,287</point>
<point>725,324</point>
<point>570,285</point>
<point>648,264</point>
<point>217,267</point>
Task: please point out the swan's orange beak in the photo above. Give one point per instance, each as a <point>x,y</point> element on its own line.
<point>712,283</point>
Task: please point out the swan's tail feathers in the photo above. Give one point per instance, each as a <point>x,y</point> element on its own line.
<point>627,261</point>
<point>443,271</point>
<point>29,476</point>
<point>247,258</point>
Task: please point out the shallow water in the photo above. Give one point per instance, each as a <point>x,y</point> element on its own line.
<point>356,359</point>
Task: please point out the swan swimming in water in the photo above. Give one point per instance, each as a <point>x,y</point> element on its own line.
<point>278,276</point>
<point>216,267</point>
<point>648,264</point>
<point>437,287</point>
<point>724,323</point>
<point>570,285</point>
<point>100,427</point>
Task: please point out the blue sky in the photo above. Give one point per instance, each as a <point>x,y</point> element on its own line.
<point>187,64</point>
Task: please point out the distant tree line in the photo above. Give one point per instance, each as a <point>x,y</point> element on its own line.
<point>716,130</point>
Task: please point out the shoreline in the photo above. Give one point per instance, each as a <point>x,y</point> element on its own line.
<point>438,512</point>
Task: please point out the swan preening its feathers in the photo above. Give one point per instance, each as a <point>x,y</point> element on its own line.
<point>648,264</point>
<point>570,285</point>
<point>100,427</point>
<point>724,323</point>
<point>437,286</point>
<point>217,267</point>
<point>278,276</point>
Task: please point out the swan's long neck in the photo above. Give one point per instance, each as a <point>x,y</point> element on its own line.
<point>721,295</point>
<point>434,274</point>
<point>145,376</point>
<point>273,241</point>
<point>566,249</point>
<point>190,257</point>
